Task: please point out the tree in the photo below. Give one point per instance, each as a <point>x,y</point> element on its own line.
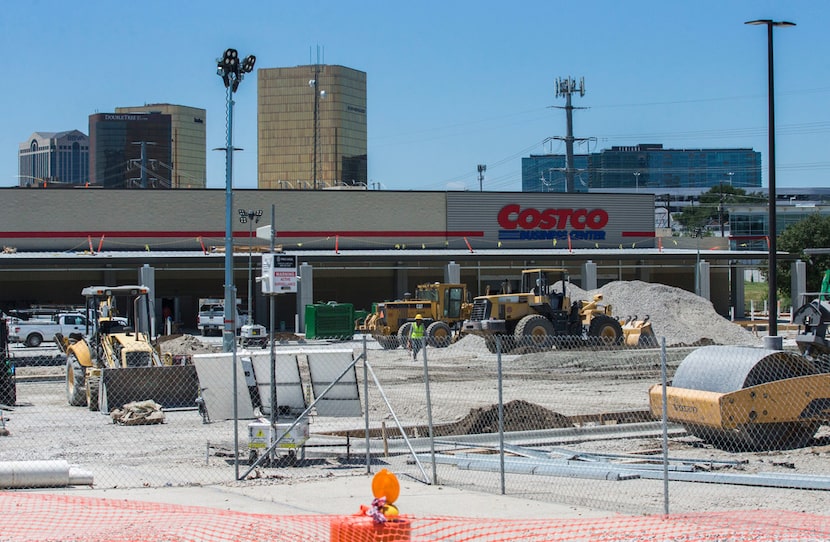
<point>812,232</point>
<point>713,206</point>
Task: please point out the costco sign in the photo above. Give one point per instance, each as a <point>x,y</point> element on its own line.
<point>562,223</point>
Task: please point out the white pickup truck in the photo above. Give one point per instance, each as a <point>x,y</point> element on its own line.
<point>212,316</point>
<point>33,332</point>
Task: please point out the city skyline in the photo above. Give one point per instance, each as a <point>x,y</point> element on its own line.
<point>448,86</point>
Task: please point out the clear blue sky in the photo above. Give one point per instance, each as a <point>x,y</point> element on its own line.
<point>451,84</point>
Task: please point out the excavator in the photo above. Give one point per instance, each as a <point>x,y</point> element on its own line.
<point>753,399</point>
<point>117,363</point>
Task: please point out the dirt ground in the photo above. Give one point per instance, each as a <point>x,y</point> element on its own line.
<point>542,392</point>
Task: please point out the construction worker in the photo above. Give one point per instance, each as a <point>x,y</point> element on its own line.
<point>416,336</point>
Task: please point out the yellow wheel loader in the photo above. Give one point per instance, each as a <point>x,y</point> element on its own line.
<point>119,363</point>
<point>749,399</point>
<point>444,307</point>
<point>541,316</point>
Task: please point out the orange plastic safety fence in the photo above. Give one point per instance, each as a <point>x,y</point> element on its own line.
<point>51,517</point>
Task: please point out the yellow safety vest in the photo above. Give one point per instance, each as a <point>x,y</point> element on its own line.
<point>417,331</point>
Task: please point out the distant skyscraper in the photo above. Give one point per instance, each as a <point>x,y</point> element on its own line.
<point>311,121</point>
<point>646,166</point>
<point>651,166</point>
<point>130,150</point>
<point>54,157</point>
<point>188,166</point>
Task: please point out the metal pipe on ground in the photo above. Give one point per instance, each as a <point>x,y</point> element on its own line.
<point>30,474</point>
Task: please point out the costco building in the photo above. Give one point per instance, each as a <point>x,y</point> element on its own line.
<point>351,246</point>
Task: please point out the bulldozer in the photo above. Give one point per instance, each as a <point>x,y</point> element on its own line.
<point>754,399</point>
<point>116,361</point>
<point>541,315</point>
<point>444,307</point>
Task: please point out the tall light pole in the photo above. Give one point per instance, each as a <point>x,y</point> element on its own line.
<point>314,84</point>
<point>636,181</point>
<point>481,169</point>
<point>232,72</point>
<point>251,217</point>
<point>773,244</point>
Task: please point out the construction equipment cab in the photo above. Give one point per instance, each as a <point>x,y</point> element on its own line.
<point>118,362</point>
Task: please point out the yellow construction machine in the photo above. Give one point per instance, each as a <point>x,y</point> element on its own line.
<point>444,307</point>
<point>540,315</point>
<point>118,362</point>
<point>745,398</point>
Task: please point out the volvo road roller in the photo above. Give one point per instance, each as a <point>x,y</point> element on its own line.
<point>749,399</point>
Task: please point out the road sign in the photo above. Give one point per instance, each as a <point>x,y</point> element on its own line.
<point>279,274</point>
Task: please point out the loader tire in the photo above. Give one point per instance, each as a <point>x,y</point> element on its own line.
<point>439,335</point>
<point>403,333</point>
<point>605,331</point>
<point>534,330</point>
<point>75,385</point>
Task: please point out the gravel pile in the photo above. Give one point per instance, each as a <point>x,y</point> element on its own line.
<point>682,317</point>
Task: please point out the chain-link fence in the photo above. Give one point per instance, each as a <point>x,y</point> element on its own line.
<point>575,422</point>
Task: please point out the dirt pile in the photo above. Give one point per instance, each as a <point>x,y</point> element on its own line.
<point>682,317</point>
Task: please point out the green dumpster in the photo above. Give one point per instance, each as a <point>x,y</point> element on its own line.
<point>330,320</point>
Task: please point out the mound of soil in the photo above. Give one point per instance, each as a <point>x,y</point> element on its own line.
<point>518,416</point>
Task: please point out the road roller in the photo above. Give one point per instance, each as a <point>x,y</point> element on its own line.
<point>751,399</point>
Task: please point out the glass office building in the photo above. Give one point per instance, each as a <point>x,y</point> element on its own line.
<point>647,167</point>
<point>130,150</point>
<point>652,166</point>
<point>188,168</point>
<point>54,158</point>
<point>311,127</point>
<point>546,173</point>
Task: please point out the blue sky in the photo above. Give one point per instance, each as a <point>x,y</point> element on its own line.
<point>451,84</point>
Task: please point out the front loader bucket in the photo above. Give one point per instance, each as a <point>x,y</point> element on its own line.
<point>173,386</point>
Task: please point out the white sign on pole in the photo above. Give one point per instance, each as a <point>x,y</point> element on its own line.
<point>279,274</point>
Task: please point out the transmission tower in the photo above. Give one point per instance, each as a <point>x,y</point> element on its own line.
<point>566,87</point>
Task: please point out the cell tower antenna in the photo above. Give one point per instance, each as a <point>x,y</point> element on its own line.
<point>567,87</point>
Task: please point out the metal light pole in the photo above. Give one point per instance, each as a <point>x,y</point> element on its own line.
<point>251,217</point>
<point>314,83</point>
<point>636,181</point>
<point>773,232</point>
<point>232,73</point>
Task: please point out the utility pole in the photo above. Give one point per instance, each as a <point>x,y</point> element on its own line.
<point>566,87</point>
<point>481,169</point>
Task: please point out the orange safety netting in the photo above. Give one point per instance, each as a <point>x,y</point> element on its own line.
<point>51,517</point>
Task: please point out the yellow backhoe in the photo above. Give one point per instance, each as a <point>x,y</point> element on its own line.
<point>118,362</point>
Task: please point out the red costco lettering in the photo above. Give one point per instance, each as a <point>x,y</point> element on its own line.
<point>511,217</point>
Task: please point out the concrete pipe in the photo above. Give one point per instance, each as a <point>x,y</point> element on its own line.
<point>29,474</point>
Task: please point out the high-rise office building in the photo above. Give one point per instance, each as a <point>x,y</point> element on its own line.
<point>645,166</point>
<point>54,158</point>
<point>311,127</point>
<point>130,150</point>
<point>188,166</point>
<point>652,166</point>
